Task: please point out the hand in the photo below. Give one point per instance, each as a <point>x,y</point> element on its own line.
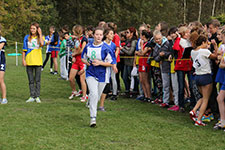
<point>96,62</point>
<point>161,54</point>
<point>81,72</point>
<point>39,31</point>
<point>213,42</point>
<point>73,59</point>
<point>115,70</point>
<point>24,63</point>
<point>170,58</point>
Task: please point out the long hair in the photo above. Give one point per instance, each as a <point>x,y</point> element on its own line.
<point>134,31</point>
<point>30,34</point>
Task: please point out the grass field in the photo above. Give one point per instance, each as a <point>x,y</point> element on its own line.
<point>58,123</point>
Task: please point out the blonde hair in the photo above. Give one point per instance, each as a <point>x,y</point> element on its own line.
<point>157,32</point>
<point>182,30</point>
<point>78,30</point>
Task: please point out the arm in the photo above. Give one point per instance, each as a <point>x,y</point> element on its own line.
<point>1,45</point>
<point>131,50</point>
<point>40,37</point>
<point>23,59</point>
<point>80,50</point>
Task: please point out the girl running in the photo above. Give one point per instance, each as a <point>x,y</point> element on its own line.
<point>78,65</point>
<point>2,68</point>
<point>108,37</point>
<point>97,56</point>
<point>32,60</point>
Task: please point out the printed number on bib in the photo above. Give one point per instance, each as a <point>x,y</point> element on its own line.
<point>93,55</point>
<point>2,67</point>
<point>199,62</point>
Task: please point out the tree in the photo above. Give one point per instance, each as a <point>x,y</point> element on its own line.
<point>200,10</point>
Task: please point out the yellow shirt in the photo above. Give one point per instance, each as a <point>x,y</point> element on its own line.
<point>33,55</point>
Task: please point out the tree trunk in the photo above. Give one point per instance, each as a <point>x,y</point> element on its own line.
<point>200,10</point>
<point>213,9</point>
<point>185,3</point>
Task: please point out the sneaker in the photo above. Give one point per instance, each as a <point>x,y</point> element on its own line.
<point>93,122</point>
<point>101,109</point>
<point>55,73</point>
<point>83,99</point>
<point>38,100</point>
<point>149,100</point>
<point>164,105</point>
<point>217,125</point>
<point>140,97</point>
<point>78,93</point>
<point>206,118</point>
<point>31,99</point>
<point>113,98</point>
<point>199,123</point>
<point>176,108</point>
<point>172,108</point>
<point>42,69</point>
<point>157,101</point>
<point>73,94</point>
<point>211,116</point>
<point>193,115</point>
<point>51,70</point>
<point>4,101</point>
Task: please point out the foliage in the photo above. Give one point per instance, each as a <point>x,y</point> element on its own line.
<point>221,18</point>
<point>16,15</point>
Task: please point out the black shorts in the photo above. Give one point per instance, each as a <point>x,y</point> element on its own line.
<point>202,80</point>
<point>2,61</point>
<point>107,88</point>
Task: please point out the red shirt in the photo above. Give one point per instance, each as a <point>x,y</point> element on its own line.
<point>116,40</point>
<point>183,65</point>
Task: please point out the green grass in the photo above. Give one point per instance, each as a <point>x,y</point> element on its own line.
<point>58,123</point>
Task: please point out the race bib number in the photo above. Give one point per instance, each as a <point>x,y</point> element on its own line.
<point>199,62</point>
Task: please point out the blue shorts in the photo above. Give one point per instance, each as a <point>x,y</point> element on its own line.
<point>2,61</point>
<point>202,80</point>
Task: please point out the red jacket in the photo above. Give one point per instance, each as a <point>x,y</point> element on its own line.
<point>183,65</point>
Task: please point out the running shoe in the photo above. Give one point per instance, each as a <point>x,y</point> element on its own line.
<point>157,101</point>
<point>31,99</point>
<point>140,97</point>
<point>174,108</point>
<point>38,100</point>
<point>73,94</point>
<point>93,122</point>
<point>113,98</point>
<point>87,104</point>
<point>199,123</point>
<point>193,115</point>
<point>4,101</point>
<point>79,93</point>
<point>217,125</point>
<point>206,118</point>
<point>83,99</point>
<point>211,116</point>
<point>101,109</point>
<point>164,105</point>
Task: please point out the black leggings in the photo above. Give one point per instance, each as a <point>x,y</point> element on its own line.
<point>46,60</point>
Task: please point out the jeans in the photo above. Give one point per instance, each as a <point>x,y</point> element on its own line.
<point>181,82</point>
<point>127,77</point>
<point>34,78</point>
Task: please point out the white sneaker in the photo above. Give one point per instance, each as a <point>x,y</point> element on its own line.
<point>79,93</point>
<point>42,69</point>
<point>51,70</point>
<point>93,122</point>
<point>38,100</point>
<point>73,94</point>
<point>31,99</point>
<point>4,101</point>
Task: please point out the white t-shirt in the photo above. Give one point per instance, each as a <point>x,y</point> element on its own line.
<point>201,61</point>
<point>184,43</point>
